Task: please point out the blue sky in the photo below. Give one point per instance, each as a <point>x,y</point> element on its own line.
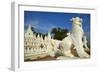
<point>45,21</point>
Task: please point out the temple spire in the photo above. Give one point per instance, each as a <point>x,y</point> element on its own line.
<point>49,36</point>
<point>29,27</point>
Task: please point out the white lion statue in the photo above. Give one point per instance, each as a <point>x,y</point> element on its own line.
<point>75,38</point>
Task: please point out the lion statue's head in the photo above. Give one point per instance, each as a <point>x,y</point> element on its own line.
<point>77,21</point>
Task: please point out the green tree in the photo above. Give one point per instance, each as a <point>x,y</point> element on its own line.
<point>59,33</point>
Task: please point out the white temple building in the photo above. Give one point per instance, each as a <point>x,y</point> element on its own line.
<point>37,46</point>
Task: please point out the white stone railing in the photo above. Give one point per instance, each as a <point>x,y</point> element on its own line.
<point>35,51</point>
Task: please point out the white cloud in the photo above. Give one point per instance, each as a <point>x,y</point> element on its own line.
<point>34,23</point>
<point>46,27</point>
